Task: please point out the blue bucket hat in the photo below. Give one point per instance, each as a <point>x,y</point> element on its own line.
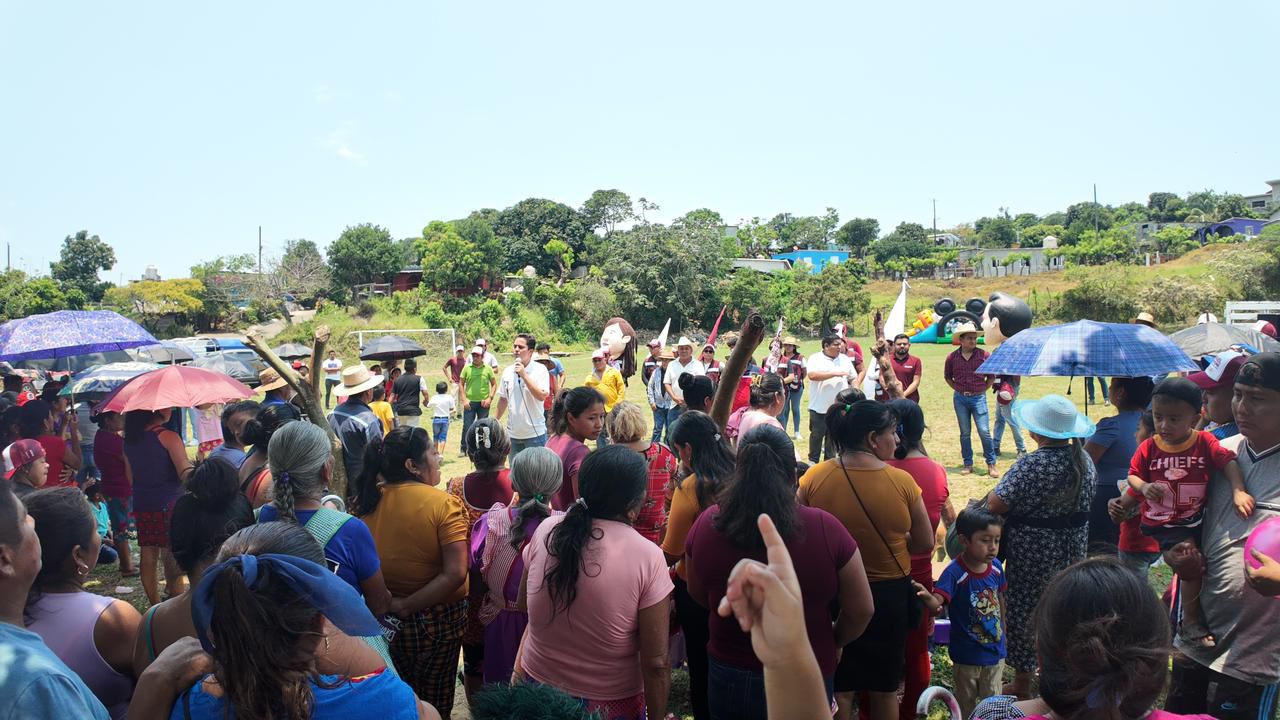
<point>1052,416</point>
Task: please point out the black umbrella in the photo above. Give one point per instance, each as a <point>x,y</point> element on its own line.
<point>292,351</point>
<point>1213,338</point>
<point>391,347</point>
<point>228,365</point>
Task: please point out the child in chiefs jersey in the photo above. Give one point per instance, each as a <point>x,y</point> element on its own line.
<point>1170,475</point>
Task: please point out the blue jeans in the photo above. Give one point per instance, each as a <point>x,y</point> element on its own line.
<point>734,694</point>
<point>519,445</point>
<point>1004,414</point>
<point>971,411</point>
<point>107,555</point>
<point>1088,386</point>
<point>87,468</point>
<point>471,413</point>
<point>791,409</point>
<point>662,420</point>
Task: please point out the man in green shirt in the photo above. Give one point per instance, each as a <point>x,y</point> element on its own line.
<point>479,383</point>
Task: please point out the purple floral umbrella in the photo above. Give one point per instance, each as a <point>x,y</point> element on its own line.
<point>67,333</point>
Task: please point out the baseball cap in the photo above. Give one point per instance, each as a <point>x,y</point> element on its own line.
<point>654,343</point>
<point>17,455</point>
<point>1266,328</point>
<point>1221,372</point>
<point>598,355</point>
<point>459,349</point>
<point>477,350</point>
<point>481,342</point>
<point>1261,370</point>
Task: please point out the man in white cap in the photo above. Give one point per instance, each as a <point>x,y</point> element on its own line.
<point>453,373</point>
<point>523,387</point>
<point>684,363</point>
<point>353,421</point>
<point>970,399</point>
<point>489,359</point>
<point>480,384</point>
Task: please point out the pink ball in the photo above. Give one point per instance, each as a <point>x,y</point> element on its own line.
<point>1265,539</point>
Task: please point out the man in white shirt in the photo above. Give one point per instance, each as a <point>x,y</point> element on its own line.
<point>684,363</point>
<point>332,376</point>
<point>523,387</point>
<point>829,372</point>
<point>489,359</point>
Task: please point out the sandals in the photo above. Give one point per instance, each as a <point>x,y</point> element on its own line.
<point>1196,634</point>
<point>132,573</point>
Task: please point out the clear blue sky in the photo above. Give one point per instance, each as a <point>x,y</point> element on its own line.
<point>174,130</point>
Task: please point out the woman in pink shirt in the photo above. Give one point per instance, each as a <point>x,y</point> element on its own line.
<point>932,480</point>
<point>576,417</point>
<point>768,397</point>
<point>599,596</point>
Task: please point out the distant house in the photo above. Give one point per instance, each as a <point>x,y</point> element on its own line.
<point>1249,227</point>
<point>408,279</point>
<point>990,262</point>
<point>764,265</point>
<point>949,240</point>
<point>1143,231</point>
<point>1259,203</point>
<point>817,259</point>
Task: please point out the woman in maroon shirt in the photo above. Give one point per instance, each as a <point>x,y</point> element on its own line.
<point>932,480</point>
<point>827,564</point>
<point>117,483</point>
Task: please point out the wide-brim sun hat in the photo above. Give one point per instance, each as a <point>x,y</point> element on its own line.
<point>356,379</point>
<point>684,342</point>
<point>545,359</point>
<point>967,328</point>
<point>791,340</point>
<point>1053,416</point>
<point>269,380</point>
<point>666,354</point>
<point>1145,318</point>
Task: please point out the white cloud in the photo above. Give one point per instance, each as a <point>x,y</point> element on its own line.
<point>339,142</point>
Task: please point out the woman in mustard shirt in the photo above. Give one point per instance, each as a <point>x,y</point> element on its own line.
<point>421,535</point>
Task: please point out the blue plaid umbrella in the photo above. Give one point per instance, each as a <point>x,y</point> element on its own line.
<point>105,378</point>
<point>1088,349</point>
<point>70,332</point>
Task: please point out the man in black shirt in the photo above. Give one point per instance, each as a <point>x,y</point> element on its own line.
<point>651,362</point>
<point>407,393</point>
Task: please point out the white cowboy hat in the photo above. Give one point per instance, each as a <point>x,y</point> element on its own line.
<point>683,341</point>
<point>356,379</point>
<point>1052,416</point>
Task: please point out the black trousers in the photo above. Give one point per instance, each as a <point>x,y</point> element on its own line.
<point>693,621</point>
<point>819,440</point>
<point>1197,690</point>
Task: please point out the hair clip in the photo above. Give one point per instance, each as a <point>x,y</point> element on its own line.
<point>284,479</point>
<point>717,437</point>
<point>482,436</point>
<point>540,498</point>
<point>583,502</point>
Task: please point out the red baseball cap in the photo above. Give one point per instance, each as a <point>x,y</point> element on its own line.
<point>19,454</point>
<point>1265,327</point>
<point>1221,372</point>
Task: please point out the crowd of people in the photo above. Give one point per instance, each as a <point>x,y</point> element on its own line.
<point>589,550</point>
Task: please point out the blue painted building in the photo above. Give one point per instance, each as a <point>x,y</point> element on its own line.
<point>817,259</point>
<point>1231,226</point>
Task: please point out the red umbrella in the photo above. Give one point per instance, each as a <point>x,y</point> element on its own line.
<point>174,386</point>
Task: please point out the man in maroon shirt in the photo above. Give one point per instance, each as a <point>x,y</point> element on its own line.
<point>907,367</point>
<point>970,399</point>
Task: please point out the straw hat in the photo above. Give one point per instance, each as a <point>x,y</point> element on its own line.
<point>965,329</point>
<point>667,354</point>
<point>1052,416</point>
<point>544,358</point>
<point>269,380</point>
<point>1145,318</point>
<point>356,379</point>
<point>791,340</point>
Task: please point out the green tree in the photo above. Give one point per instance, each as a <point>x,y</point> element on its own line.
<point>746,290</point>
<point>837,292</point>
<point>997,232</point>
<point>44,295</point>
<point>82,256</point>
<point>1114,245</point>
<point>562,254</point>
<point>477,229</point>
<point>755,239</point>
<point>700,220</point>
<point>660,272</point>
<point>1174,240</point>
<point>151,300</point>
<point>1034,236</point>
<point>1232,206</point>
<point>301,271</point>
<point>526,227</point>
<point>363,253</point>
<point>1026,220</point>
<point>606,209</point>
<point>857,234</point>
<point>449,262</point>
<point>1158,201</point>
<point>1205,201</point>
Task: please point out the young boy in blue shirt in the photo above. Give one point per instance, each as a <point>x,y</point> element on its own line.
<point>973,588</point>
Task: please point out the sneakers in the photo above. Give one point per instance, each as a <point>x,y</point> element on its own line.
<point>797,436</point>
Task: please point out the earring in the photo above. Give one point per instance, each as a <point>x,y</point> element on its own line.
<point>82,569</point>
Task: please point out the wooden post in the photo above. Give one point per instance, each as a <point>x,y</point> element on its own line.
<point>310,395</point>
<point>749,339</point>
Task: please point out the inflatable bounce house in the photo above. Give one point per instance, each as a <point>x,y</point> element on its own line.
<point>935,325</point>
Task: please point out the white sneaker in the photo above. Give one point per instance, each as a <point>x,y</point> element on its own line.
<point>798,436</point>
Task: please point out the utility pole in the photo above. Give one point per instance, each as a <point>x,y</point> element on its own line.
<point>8,256</point>
<point>1095,212</point>
<point>260,249</point>
<point>935,220</point>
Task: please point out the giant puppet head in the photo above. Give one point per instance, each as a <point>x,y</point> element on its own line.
<point>1004,317</point>
<point>619,340</point>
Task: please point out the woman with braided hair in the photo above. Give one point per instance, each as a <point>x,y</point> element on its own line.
<point>489,486</point>
<point>301,463</point>
<point>827,563</point>
<point>497,541</point>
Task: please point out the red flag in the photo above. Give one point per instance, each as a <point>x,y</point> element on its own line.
<point>711,339</point>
